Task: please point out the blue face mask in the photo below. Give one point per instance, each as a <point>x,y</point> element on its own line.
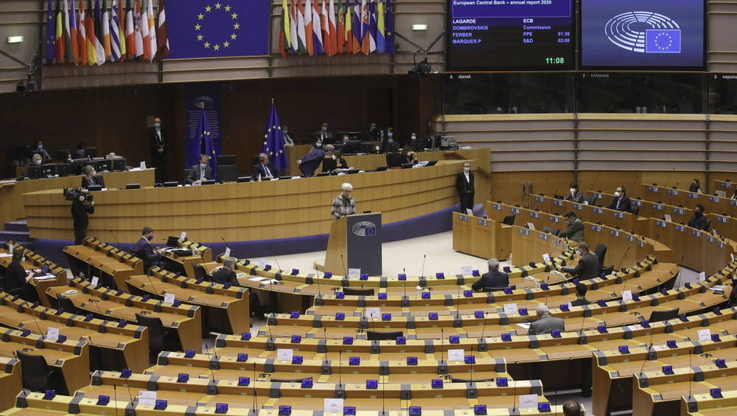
<point>150,238</point>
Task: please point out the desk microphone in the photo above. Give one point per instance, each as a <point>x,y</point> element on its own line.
<point>424,257</point>
<point>442,351</point>
<point>268,325</point>
<point>148,276</point>
<point>472,362</point>
<point>214,351</point>
<point>255,395</point>
<point>547,291</point>
<point>38,327</point>
<point>212,373</point>
<point>646,358</point>
<point>690,370</point>
<point>458,303</point>
<point>405,281</point>
<point>130,396</point>
<point>483,327</point>
<point>383,397</point>
<point>275,260</point>
<point>94,302</point>
<point>514,397</point>
<point>340,368</point>
<point>115,397</point>
<point>623,256</point>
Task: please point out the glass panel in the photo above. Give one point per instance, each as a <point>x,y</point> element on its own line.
<point>723,93</point>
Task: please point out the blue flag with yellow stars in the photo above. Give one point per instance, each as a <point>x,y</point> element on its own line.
<point>274,142</point>
<point>218,28</point>
<point>207,147</point>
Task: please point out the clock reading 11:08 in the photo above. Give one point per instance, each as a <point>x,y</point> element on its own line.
<point>509,34</point>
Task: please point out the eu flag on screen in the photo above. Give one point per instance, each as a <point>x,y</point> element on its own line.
<point>217,28</point>
<point>207,147</point>
<point>663,41</point>
<point>274,142</point>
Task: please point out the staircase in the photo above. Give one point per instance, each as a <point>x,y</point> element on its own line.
<point>16,231</point>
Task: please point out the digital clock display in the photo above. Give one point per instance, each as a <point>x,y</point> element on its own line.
<point>509,34</point>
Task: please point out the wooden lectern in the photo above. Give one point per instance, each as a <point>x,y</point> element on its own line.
<point>355,243</point>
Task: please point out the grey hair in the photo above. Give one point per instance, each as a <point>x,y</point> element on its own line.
<point>229,262</point>
<point>346,187</point>
<point>542,309</point>
<point>493,264</point>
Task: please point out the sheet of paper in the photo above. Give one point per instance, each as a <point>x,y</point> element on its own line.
<point>52,334</point>
<point>227,252</point>
<point>354,273</point>
<point>510,308</point>
<point>284,354</point>
<point>147,398</point>
<point>257,278</point>
<point>704,334</point>
<point>6,254</point>
<point>546,257</point>
<point>95,281</point>
<point>528,401</point>
<point>627,295</point>
<point>373,313</point>
<point>333,406</point>
<point>45,277</point>
<point>169,298</point>
<point>525,325</point>
<point>261,263</point>
<point>455,355</point>
<point>143,164</point>
<point>702,276</point>
<point>466,270</point>
<point>183,235</point>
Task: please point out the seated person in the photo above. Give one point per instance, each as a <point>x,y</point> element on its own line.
<point>494,278</point>
<point>310,162</point>
<point>264,169</point>
<point>328,162</point>
<point>621,201</point>
<point>588,265</point>
<point>145,251</point>
<point>89,178</point>
<point>408,156</point>
<point>17,278</point>
<point>574,195</point>
<point>545,323</point>
<point>575,228</point>
<point>38,147</point>
<point>199,172</point>
<point>324,134</point>
<point>571,408</point>
<point>226,273</point>
<point>581,290</point>
<point>340,162</point>
<point>695,186</point>
<point>37,160</point>
<point>698,220</point>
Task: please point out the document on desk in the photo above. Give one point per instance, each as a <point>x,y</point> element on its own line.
<point>525,325</point>
<point>45,277</point>
<point>257,279</point>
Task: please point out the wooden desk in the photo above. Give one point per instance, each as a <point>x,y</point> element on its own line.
<point>481,237</point>
<point>97,258</point>
<point>184,264</point>
<point>36,262</point>
<point>10,382</point>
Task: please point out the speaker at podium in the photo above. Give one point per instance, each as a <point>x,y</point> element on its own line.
<point>354,243</point>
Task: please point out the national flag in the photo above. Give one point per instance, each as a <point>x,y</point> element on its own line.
<point>121,31</point>
<point>162,33</point>
<point>114,24</point>
<point>333,28</point>
<point>73,33</point>
<point>317,43</point>
<point>365,36</point>
<point>82,33</point>
<point>99,32</point>
<point>301,36</point>
<point>138,30</point>
<point>293,37</point>
<point>105,25</point>
<point>348,36</point>
<point>340,29</point>
<point>284,32</point>
<point>207,147</point>
<point>89,23</point>
<point>372,26</point>
<point>325,26</point>
<point>380,27</point>
<point>50,34</point>
<point>145,34</point>
<point>389,28</point>
<point>274,142</point>
<point>59,47</point>
<point>130,31</point>
<point>356,27</point>
<point>68,58</point>
<point>308,28</point>
<point>153,43</point>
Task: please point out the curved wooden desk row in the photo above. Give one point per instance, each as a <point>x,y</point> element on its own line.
<point>183,320</point>
<point>71,357</point>
<point>121,346</point>
<point>712,203</point>
<point>34,404</point>
<point>97,258</point>
<point>10,382</point>
<point>36,262</point>
<point>11,193</point>
<point>225,309</point>
<point>250,211</point>
<point>706,405</point>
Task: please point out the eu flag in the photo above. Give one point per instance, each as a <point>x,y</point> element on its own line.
<point>663,41</point>
<point>207,147</point>
<point>274,142</point>
<point>218,28</point>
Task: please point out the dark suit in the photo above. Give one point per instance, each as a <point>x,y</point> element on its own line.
<point>329,164</point>
<point>80,210</point>
<point>466,190</point>
<point>577,198</point>
<point>580,302</point>
<point>327,137</point>
<point>224,275</point>
<point>145,251</point>
<point>699,222</point>
<point>492,279</point>
<point>311,161</point>
<point>574,231</point>
<point>158,140</point>
<point>587,267</point>
<point>621,204</point>
<point>96,180</point>
<point>546,324</point>
<point>196,170</point>
<point>15,276</point>
<point>259,170</point>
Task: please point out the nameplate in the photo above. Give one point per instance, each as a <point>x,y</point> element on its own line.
<point>693,195</point>
<point>554,219</point>
<point>723,220</point>
<point>463,218</point>
<point>557,202</point>
<point>696,233</point>
<point>596,228</point>
<point>496,207</point>
<point>514,210</point>
<point>483,222</point>
<point>733,202</point>
<point>524,231</point>
<point>657,207</point>
<point>543,236</point>
<point>661,224</point>
<point>672,192</point>
<point>598,195</point>
<point>597,210</point>
<point>679,211</point>
<point>618,214</point>
<point>641,243</point>
<point>534,214</point>
<point>636,202</point>
<point>577,206</point>
<point>709,238</point>
<point>714,199</point>
<point>652,188</point>
<point>614,233</point>
<point>630,238</point>
<point>726,185</point>
<point>680,228</point>
<point>539,199</point>
<point>720,244</point>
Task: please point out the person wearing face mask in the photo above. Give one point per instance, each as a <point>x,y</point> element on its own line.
<point>145,251</point>
<point>695,186</point>
<point>90,179</point>
<point>340,162</point>
<point>372,134</point>
<point>158,139</point>
<point>343,204</point>
<point>574,195</point>
<point>465,186</point>
<point>200,172</point>
<point>82,206</point>
<point>324,134</point>
<point>36,159</point>
<point>414,143</point>
<point>288,141</point>
<point>575,228</point>
<point>328,163</point>
<point>621,201</point>
<point>588,265</point>
<point>699,220</point>
<point>39,148</point>
<point>389,144</point>
<point>311,161</point>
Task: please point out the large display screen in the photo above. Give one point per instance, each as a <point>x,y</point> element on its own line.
<point>642,34</point>
<point>509,34</point>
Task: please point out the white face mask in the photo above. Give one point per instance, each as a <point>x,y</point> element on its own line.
<point>390,135</point>
<point>578,253</point>
<point>466,169</point>
<point>414,137</point>
<point>157,125</point>
<point>318,144</point>
<point>573,191</point>
<point>37,162</point>
<point>617,194</point>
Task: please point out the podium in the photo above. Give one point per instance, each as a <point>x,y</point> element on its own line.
<point>355,243</point>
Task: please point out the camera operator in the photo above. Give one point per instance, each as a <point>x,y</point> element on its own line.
<point>82,205</point>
